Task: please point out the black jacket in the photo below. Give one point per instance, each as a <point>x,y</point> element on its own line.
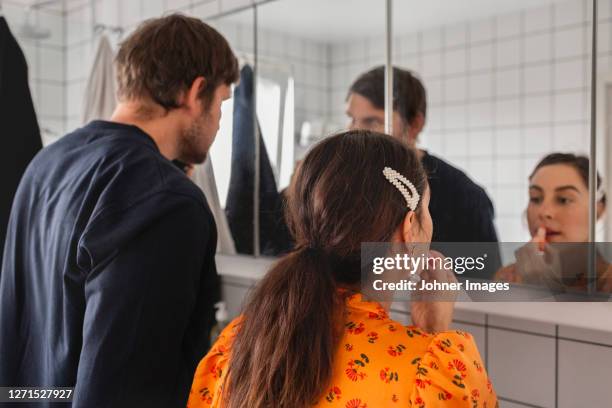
<point>19,133</point>
<point>109,280</point>
<point>461,212</point>
<point>461,209</point>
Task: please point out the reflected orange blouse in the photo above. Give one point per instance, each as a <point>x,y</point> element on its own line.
<point>379,363</point>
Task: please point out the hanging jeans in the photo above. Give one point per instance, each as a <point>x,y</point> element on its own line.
<point>273,232</point>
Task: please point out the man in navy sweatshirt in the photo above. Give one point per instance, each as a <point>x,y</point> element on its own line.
<point>461,210</point>
<point>108,280</point>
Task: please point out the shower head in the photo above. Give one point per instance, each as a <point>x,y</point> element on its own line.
<point>32,31</point>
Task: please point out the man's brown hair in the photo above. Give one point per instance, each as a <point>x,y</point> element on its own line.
<point>163,57</point>
<point>409,96</point>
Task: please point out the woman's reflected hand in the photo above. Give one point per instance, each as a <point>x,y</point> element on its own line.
<point>539,263</point>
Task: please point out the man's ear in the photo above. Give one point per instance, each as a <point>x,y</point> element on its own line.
<point>408,226</point>
<point>601,209</point>
<point>416,127</point>
<point>192,101</point>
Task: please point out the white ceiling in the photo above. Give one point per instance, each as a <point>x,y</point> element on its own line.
<point>341,20</point>
<point>56,5</point>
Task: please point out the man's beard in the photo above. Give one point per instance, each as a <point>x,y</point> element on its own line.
<point>192,147</point>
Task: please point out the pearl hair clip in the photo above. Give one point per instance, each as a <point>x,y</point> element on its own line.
<point>400,182</point>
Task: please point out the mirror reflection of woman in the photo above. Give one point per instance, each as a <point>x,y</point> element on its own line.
<point>307,337</point>
<point>558,221</point>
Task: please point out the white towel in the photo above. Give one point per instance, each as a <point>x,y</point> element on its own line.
<point>100,99</point>
<point>204,177</point>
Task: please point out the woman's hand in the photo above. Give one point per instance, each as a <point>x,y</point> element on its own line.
<point>427,311</point>
<point>537,262</point>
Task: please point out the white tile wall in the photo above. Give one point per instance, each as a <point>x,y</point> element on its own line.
<point>482,30</point>
<point>508,25</point>
<point>455,35</point>
<point>522,366</point>
<point>538,19</point>
<point>571,12</point>
<point>569,42</point>
<point>481,57</point>
<point>584,374</point>
<point>501,88</point>
<point>508,52</point>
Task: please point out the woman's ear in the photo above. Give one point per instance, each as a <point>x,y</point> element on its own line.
<point>408,227</point>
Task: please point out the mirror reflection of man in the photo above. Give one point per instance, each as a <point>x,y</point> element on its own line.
<point>460,209</point>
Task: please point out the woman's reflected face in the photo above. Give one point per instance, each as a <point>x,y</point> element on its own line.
<point>559,202</point>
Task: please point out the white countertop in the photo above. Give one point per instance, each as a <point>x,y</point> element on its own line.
<point>587,315</point>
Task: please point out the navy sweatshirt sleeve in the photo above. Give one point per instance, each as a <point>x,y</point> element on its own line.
<point>139,301</point>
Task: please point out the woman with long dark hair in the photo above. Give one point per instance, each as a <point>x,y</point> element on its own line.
<point>307,337</point>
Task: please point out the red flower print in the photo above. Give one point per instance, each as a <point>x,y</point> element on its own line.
<point>397,350</point>
<point>219,350</point>
<point>380,314</point>
<point>475,393</point>
<point>353,370</point>
<point>355,403</point>
<point>489,386</point>
<point>444,396</point>
<point>411,332</point>
<point>458,380</point>
<point>387,376</point>
<point>419,402</point>
<point>461,347</point>
<point>392,328</point>
<point>333,394</point>
<point>206,396</point>
<point>216,371</point>
<point>354,328</point>
<point>348,347</point>
<point>478,366</point>
<point>464,334</point>
<point>372,337</point>
<point>459,365</point>
<point>443,345</point>
<point>352,373</point>
<point>422,383</point>
<point>394,398</point>
<point>433,365</point>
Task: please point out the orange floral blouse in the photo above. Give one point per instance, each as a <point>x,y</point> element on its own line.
<point>380,363</point>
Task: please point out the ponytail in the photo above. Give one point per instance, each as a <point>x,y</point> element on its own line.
<point>282,354</point>
<point>285,343</point>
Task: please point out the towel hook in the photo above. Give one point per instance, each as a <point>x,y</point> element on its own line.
<point>100,28</point>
